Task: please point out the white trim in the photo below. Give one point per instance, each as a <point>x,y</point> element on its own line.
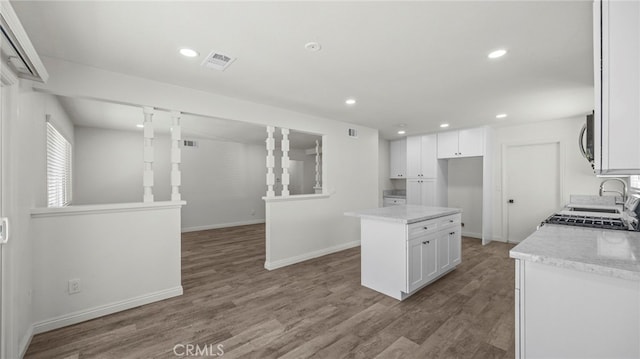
<point>91,313</point>
<point>297,197</point>
<point>304,257</point>
<point>25,342</point>
<point>504,195</point>
<point>15,28</point>
<point>104,208</point>
<point>222,225</point>
<point>472,235</point>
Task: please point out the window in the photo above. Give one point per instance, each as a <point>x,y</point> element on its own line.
<point>58,168</point>
<point>635,183</point>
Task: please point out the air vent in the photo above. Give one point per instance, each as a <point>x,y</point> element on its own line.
<point>189,143</point>
<point>218,61</point>
<point>353,132</point>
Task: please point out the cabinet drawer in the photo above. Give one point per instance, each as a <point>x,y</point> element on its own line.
<point>421,228</point>
<point>448,221</point>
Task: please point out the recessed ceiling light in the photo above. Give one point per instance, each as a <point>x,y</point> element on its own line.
<point>402,132</point>
<point>497,53</point>
<point>188,52</point>
<point>313,46</point>
<point>139,126</point>
<point>502,115</point>
<point>443,125</point>
<point>350,101</point>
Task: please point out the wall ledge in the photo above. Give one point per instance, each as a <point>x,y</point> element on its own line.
<point>103,208</point>
<point>297,197</point>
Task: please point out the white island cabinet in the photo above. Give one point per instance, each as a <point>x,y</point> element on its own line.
<point>404,248</point>
<point>577,293</point>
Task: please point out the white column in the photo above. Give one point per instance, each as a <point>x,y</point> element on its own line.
<point>285,161</point>
<point>317,187</point>
<point>147,179</point>
<point>271,144</point>
<point>176,137</point>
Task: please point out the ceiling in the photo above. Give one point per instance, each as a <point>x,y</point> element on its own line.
<point>414,63</point>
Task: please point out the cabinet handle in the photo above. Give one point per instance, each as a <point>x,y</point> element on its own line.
<point>425,242</point>
<point>425,227</point>
<point>451,221</point>
<point>452,233</point>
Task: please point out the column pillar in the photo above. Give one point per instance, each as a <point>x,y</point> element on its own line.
<point>285,161</point>
<point>147,179</point>
<point>270,144</point>
<point>176,137</point>
<point>318,186</point>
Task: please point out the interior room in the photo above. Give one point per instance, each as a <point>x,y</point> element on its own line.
<point>253,179</point>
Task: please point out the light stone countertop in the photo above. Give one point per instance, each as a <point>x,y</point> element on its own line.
<point>606,252</point>
<point>404,214</point>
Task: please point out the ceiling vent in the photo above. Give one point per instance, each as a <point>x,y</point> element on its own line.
<point>218,61</point>
<point>189,143</point>
<point>353,133</point>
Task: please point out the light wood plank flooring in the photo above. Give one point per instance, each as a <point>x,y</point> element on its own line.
<point>313,309</point>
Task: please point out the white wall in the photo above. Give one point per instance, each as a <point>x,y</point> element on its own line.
<point>578,177</point>
<point>123,258</point>
<point>24,187</point>
<point>222,182</point>
<point>350,163</point>
<point>465,192</point>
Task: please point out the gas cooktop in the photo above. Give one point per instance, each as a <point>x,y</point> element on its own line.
<point>587,221</point>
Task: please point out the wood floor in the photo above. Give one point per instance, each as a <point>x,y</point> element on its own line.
<point>313,309</point>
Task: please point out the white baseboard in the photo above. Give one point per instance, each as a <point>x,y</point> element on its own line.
<point>222,225</point>
<point>472,235</point>
<point>99,311</point>
<point>25,341</point>
<point>304,257</point>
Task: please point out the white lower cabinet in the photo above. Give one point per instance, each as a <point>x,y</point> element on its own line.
<point>568,313</point>
<point>422,260</point>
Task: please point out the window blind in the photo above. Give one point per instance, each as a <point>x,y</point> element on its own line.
<point>58,168</point>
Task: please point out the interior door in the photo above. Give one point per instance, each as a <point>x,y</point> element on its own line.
<point>532,187</point>
<point>4,102</point>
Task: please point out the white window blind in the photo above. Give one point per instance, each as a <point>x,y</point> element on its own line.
<point>58,168</point>
<point>635,182</point>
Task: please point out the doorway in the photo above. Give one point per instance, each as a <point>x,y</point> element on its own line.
<point>532,187</point>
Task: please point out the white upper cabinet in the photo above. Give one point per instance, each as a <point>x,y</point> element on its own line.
<point>463,143</point>
<point>421,156</point>
<point>617,87</point>
<point>398,159</point>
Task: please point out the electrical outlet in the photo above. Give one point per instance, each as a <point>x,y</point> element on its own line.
<point>74,286</point>
<point>462,224</point>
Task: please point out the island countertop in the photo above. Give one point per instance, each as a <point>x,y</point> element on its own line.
<point>606,252</point>
<point>404,213</point>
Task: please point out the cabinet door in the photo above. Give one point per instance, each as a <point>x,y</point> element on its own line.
<point>620,87</point>
<point>444,256</point>
<point>448,144</point>
<point>414,192</point>
<point>414,147</point>
<point>429,159</point>
<point>398,159</point>
<point>421,261</point>
<point>428,192</point>
<point>471,142</point>
<point>455,246</point>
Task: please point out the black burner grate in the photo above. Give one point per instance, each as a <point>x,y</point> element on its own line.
<point>587,221</point>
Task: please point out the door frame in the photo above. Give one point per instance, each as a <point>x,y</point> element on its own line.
<point>7,79</point>
<point>561,173</point>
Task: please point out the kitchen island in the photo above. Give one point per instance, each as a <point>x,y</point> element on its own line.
<point>577,293</point>
<point>404,248</point>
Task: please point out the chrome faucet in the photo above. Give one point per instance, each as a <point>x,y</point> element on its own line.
<point>623,194</point>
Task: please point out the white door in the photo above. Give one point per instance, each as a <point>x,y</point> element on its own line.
<point>296,177</point>
<point>4,102</point>
<point>414,149</point>
<point>532,187</point>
